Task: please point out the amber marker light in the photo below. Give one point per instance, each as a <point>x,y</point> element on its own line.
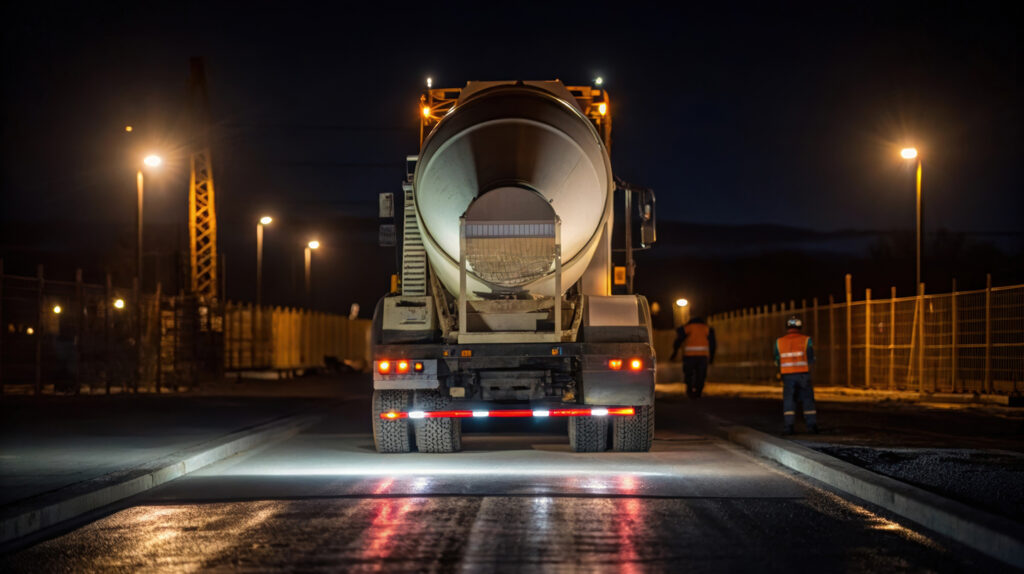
<point>426,111</point>
<point>602,108</point>
<point>615,364</point>
<point>636,364</point>
<point>403,367</point>
<point>418,367</point>
<point>384,367</point>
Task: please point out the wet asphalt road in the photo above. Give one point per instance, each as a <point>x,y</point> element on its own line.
<point>324,501</point>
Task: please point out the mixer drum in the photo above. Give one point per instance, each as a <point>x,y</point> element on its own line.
<point>513,159</point>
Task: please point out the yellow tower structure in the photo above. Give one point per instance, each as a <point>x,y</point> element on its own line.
<point>202,213</point>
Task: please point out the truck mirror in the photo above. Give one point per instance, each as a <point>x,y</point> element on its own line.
<point>648,233</point>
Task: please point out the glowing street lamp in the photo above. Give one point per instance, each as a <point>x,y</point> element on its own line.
<point>910,154</point>
<point>57,310</point>
<point>682,302</point>
<point>119,303</point>
<point>265,220</point>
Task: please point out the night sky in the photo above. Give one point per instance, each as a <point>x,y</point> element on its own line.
<point>791,116</point>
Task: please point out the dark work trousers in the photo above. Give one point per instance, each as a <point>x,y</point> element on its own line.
<point>798,387</point>
<point>695,370</point>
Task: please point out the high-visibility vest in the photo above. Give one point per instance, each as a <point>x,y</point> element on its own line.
<point>793,353</point>
<point>696,343</point>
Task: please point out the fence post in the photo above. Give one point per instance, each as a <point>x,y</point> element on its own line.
<point>920,336</point>
<point>849,330</point>
<point>107,304</point>
<point>39,331</point>
<point>814,324</point>
<point>159,338</point>
<point>831,340</point>
<point>3,325</point>
<point>892,338</point>
<point>79,329</point>
<point>988,332</point>
<point>953,327</point>
<point>867,338</point>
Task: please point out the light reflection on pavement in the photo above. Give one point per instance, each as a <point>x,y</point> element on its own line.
<point>324,501</point>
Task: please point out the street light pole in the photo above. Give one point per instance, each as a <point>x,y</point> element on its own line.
<point>911,153</point>
<point>920,224</point>
<point>152,161</point>
<point>265,220</point>
<point>309,259</point>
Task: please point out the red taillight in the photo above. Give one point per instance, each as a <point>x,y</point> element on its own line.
<point>636,364</point>
<point>615,364</point>
<point>403,367</point>
<point>383,367</point>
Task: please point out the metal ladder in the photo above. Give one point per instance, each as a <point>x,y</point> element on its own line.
<point>414,256</point>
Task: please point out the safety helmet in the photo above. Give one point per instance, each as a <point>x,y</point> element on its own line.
<point>794,322</point>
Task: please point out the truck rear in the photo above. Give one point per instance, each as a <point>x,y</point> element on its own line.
<point>506,307</point>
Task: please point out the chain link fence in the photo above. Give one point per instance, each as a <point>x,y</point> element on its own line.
<point>963,341</point>
<point>59,336</point>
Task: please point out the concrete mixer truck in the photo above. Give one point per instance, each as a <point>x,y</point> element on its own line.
<point>506,306</point>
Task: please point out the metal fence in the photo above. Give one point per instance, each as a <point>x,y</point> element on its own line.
<point>963,341</point>
<point>287,340</point>
<point>77,337</point>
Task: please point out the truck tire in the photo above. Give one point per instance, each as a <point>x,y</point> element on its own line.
<point>635,433</point>
<point>588,434</point>
<point>436,435</point>
<point>391,436</point>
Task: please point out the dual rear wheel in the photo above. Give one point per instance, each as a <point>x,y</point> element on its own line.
<point>403,435</point>
<point>628,433</point>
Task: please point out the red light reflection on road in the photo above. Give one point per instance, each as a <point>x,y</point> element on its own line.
<point>390,520</point>
<point>628,523</point>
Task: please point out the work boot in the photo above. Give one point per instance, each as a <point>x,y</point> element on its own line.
<point>788,430</point>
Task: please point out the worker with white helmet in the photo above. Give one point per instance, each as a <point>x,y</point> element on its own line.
<point>794,355</point>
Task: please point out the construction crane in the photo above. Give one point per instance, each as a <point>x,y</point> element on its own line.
<point>202,213</point>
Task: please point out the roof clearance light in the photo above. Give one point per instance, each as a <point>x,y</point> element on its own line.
<point>599,412</point>
<point>481,414</point>
<point>602,108</point>
<point>403,367</point>
<point>615,364</point>
<point>466,353</point>
<point>636,364</point>
<point>384,367</point>
<point>417,366</point>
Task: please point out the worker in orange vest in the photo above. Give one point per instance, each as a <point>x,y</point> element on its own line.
<point>697,339</point>
<point>794,355</point>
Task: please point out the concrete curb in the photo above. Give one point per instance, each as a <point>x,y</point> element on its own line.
<point>995,536</point>
<point>67,503</point>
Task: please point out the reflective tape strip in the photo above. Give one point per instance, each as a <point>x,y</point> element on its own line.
<point>794,364</point>
<point>511,413</point>
<point>696,348</point>
<point>810,412</point>
<point>793,354</point>
<point>789,413</point>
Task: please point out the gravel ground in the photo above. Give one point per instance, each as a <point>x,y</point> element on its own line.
<point>989,479</point>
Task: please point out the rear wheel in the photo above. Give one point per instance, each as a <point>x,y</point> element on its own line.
<point>634,433</point>
<point>436,435</point>
<point>391,435</point>
<point>588,434</point>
